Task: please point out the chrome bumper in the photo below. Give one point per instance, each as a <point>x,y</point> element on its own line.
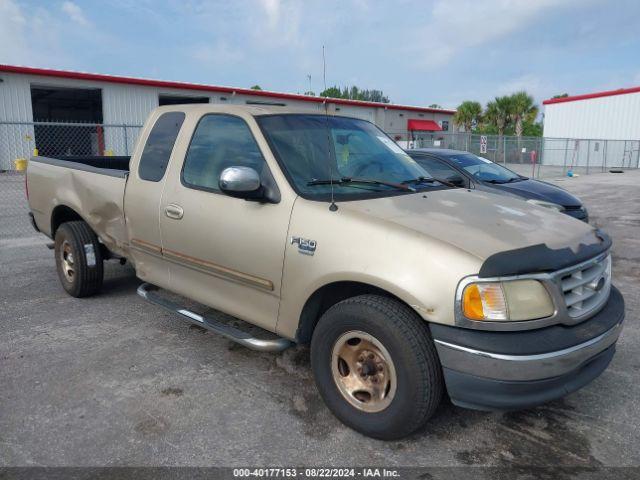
<point>523,367</point>
<point>487,370</point>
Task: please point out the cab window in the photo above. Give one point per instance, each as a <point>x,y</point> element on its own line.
<point>219,142</point>
<point>157,151</point>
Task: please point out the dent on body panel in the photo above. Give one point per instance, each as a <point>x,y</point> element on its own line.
<point>100,202</point>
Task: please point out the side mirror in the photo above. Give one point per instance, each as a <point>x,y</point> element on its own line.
<point>241,182</point>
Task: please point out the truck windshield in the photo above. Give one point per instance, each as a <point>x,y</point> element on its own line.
<point>356,155</point>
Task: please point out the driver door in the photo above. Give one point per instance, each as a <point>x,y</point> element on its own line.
<point>224,252</point>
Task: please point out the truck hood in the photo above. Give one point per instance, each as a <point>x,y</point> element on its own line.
<point>480,223</point>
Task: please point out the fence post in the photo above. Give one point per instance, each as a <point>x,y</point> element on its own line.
<point>566,151</point>
<point>540,154</point>
<point>604,155</point>
<point>126,140</point>
<point>588,154</point>
<point>504,150</point>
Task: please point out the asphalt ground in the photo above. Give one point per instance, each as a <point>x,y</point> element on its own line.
<point>112,380</point>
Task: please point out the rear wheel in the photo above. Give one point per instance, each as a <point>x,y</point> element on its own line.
<point>376,366</point>
<point>78,259</point>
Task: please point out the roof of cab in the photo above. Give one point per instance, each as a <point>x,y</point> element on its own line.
<point>255,110</point>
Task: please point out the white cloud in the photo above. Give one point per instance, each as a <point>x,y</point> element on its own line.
<point>75,13</point>
<point>457,25</point>
<point>528,82</point>
<point>272,9</point>
<point>217,54</point>
<point>13,34</point>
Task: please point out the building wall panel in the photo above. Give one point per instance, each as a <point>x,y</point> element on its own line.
<point>608,118</point>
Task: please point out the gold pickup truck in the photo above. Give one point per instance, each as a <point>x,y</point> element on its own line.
<point>320,230</point>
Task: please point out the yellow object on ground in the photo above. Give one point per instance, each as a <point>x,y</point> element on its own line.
<point>21,164</point>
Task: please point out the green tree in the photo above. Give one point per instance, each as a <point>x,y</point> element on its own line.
<point>562,95</point>
<point>435,105</point>
<point>332,92</point>
<point>523,109</point>
<point>532,129</point>
<point>354,93</point>
<point>468,114</point>
<point>498,113</point>
<point>256,87</point>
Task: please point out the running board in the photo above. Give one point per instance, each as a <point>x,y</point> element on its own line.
<point>146,291</point>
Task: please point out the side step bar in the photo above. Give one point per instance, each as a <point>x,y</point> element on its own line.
<point>146,291</point>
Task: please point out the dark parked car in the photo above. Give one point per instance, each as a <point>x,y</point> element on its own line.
<point>471,171</point>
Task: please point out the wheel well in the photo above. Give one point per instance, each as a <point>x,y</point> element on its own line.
<point>327,296</point>
<point>60,215</point>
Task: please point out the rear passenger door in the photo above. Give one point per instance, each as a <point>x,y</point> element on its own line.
<point>143,192</point>
<point>222,251</point>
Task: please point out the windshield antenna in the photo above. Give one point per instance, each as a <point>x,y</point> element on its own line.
<point>333,207</point>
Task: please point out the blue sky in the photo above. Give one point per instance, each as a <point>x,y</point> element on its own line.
<point>418,53</point>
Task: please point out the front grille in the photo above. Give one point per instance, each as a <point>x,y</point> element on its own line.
<point>587,286</point>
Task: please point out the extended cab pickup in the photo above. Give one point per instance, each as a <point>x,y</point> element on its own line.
<point>320,230</point>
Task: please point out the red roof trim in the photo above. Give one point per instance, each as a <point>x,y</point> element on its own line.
<point>587,96</point>
<point>208,88</point>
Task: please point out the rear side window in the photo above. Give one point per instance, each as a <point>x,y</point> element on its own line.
<point>220,141</point>
<point>157,150</point>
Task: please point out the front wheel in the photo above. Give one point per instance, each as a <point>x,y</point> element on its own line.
<point>78,259</point>
<point>376,366</point>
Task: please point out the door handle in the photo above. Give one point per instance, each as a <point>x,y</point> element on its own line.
<point>174,211</point>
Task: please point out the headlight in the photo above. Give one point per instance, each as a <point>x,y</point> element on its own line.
<point>506,301</point>
<point>542,203</point>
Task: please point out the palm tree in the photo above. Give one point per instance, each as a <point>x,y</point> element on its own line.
<point>499,112</point>
<point>523,108</point>
<point>467,114</point>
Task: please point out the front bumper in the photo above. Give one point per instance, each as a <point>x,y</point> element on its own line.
<point>520,369</point>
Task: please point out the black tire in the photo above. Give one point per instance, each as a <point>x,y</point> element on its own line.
<point>86,273</point>
<point>406,337</point>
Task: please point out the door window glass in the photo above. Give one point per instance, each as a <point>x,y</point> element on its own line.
<point>219,142</point>
<point>440,170</point>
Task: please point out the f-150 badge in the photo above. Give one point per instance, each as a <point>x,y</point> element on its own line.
<point>305,246</point>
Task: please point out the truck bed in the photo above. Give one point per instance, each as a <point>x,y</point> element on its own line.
<point>91,187</point>
<point>104,165</point>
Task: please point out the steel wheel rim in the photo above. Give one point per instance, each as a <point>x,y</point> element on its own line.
<point>67,261</point>
<point>363,371</point>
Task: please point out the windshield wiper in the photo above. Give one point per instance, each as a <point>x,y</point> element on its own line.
<point>496,182</point>
<point>511,180</point>
<point>431,180</point>
<point>348,180</point>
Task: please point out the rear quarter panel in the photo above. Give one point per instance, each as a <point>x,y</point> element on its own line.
<point>97,198</point>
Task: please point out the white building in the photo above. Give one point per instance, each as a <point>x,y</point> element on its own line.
<point>112,108</point>
<point>598,129</point>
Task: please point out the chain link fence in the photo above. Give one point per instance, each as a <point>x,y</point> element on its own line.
<point>535,157</point>
<point>18,141</point>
